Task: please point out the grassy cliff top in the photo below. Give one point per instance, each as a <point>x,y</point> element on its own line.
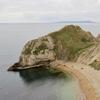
<point>67,42</point>
<point>71,39</point>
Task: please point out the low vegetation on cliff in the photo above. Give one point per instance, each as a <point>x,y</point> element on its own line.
<point>71,43</point>
<point>70,40</point>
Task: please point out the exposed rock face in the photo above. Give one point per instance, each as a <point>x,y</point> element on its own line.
<point>38,52</point>
<point>91,56</point>
<point>64,44</point>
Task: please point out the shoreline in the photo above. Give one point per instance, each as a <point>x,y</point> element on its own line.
<point>87,78</point>
<point>88,91</point>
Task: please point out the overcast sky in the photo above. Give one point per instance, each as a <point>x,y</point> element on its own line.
<point>49,10</point>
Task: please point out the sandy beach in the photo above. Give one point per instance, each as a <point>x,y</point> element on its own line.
<point>87,77</point>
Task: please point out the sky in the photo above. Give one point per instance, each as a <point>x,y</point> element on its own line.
<point>49,10</point>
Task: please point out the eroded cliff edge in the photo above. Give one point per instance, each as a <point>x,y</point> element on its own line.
<point>68,44</point>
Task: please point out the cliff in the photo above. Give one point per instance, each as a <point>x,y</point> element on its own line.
<point>70,40</point>
<point>68,44</point>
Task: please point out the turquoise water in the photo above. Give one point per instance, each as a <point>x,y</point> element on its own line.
<point>32,84</point>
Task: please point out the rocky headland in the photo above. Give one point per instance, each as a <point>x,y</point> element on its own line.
<point>71,43</point>
<point>70,49</point>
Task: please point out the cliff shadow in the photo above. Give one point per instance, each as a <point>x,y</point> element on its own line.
<point>41,73</point>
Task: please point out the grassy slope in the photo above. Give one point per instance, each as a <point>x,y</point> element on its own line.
<point>70,40</point>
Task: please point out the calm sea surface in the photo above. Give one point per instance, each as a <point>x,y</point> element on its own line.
<point>32,84</point>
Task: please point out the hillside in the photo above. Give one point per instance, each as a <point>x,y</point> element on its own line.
<point>91,56</point>
<point>70,40</point>
<point>67,44</point>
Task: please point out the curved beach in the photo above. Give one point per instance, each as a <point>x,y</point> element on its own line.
<point>87,88</point>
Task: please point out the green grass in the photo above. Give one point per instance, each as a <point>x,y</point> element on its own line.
<point>73,39</point>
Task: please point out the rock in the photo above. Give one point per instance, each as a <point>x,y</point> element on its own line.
<point>64,45</point>
<point>14,67</point>
<point>38,52</point>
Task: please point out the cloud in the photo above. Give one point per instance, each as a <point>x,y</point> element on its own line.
<point>48,10</point>
<point>98,1</point>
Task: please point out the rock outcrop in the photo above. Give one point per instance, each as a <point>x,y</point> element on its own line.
<point>70,40</point>
<point>38,52</point>
<point>68,44</point>
<point>91,56</point>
